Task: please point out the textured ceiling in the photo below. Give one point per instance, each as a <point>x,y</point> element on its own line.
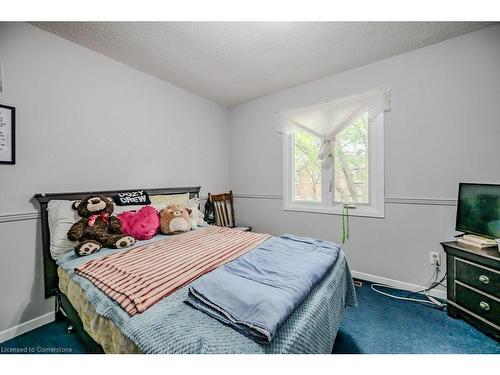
<point>232,62</point>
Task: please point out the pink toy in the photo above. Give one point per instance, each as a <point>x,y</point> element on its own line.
<point>142,225</point>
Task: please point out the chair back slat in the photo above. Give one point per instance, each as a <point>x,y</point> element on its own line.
<point>221,218</point>
<point>225,215</point>
<point>216,214</point>
<point>230,214</point>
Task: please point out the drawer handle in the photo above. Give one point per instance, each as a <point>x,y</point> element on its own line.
<point>484,279</point>
<point>484,305</point>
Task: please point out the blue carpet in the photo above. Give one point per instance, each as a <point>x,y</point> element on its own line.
<point>378,325</point>
<point>48,339</point>
<point>382,325</point>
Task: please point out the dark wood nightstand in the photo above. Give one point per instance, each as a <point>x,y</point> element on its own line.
<point>473,286</point>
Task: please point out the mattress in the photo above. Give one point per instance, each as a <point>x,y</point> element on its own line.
<point>102,330</point>
<point>311,328</point>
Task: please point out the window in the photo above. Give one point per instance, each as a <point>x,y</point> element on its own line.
<point>306,167</point>
<point>346,167</point>
<point>351,168</point>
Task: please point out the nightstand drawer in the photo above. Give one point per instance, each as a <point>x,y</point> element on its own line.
<point>478,277</point>
<point>478,303</point>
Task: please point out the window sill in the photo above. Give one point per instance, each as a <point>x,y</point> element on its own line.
<point>335,210</point>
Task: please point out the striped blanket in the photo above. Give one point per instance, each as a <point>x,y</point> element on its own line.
<point>142,276</point>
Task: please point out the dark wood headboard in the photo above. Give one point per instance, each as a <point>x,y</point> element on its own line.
<point>51,280</point>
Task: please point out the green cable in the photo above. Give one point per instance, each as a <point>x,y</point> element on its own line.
<point>345,223</point>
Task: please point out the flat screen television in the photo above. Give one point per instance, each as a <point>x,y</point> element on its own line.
<point>478,209</point>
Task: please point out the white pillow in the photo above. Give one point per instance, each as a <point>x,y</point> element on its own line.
<point>61,217</point>
<point>161,201</point>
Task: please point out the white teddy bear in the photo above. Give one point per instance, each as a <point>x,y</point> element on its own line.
<point>196,214</point>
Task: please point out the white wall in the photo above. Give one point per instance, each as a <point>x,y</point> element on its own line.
<point>87,122</point>
<point>444,128</point>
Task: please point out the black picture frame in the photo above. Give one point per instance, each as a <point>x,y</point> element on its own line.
<point>13,135</point>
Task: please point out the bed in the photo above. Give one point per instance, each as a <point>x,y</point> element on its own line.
<point>175,327</point>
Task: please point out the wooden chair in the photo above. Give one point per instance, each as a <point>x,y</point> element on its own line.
<point>224,211</point>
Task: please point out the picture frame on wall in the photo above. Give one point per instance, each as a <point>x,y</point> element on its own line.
<point>7,134</point>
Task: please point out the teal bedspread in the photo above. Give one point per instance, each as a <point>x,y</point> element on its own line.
<point>172,326</point>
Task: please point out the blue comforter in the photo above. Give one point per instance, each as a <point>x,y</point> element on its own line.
<point>257,292</point>
<point>172,326</point>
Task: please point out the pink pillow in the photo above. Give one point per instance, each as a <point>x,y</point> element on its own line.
<point>142,225</point>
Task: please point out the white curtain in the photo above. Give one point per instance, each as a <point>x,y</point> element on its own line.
<point>327,119</point>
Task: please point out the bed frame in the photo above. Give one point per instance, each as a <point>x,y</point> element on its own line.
<point>63,307</point>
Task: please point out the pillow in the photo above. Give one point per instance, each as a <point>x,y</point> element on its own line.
<point>61,217</point>
<point>129,198</point>
<point>142,225</point>
<point>162,201</point>
<point>157,201</point>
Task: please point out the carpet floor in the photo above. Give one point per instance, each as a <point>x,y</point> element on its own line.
<point>378,325</point>
<point>382,325</point>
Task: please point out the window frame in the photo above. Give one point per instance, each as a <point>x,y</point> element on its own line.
<point>376,208</point>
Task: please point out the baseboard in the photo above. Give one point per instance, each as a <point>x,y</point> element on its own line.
<point>438,293</point>
<point>15,331</point>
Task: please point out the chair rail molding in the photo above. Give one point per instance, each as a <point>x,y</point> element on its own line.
<point>20,216</point>
<point>387,200</point>
<point>23,216</point>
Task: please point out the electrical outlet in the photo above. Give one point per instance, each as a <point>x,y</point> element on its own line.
<point>434,258</point>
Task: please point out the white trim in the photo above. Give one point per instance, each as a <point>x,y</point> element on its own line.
<point>376,171</point>
<point>30,325</point>
<point>287,168</point>
<point>438,293</point>
<point>363,211</point>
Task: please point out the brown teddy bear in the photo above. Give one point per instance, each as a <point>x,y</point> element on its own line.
<point>175,219</point>
<point>97,228</point>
